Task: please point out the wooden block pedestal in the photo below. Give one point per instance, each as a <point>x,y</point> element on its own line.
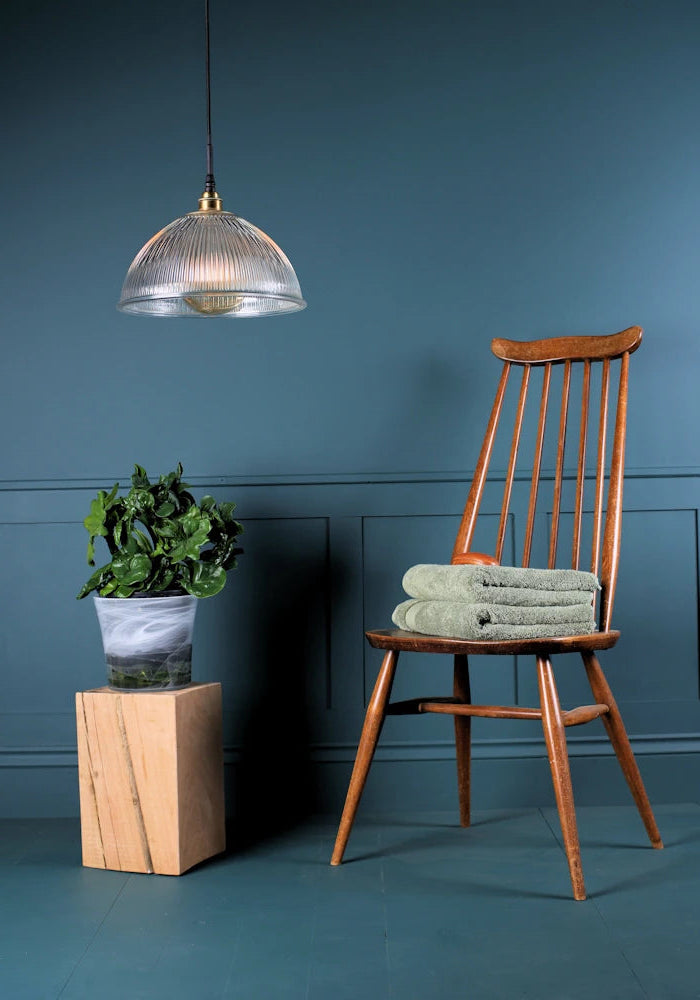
<point>150,768</point>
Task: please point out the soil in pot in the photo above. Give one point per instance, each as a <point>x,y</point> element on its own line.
<point>151,670</point>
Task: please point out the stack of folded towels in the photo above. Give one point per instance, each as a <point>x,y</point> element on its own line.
<point>497,602</point>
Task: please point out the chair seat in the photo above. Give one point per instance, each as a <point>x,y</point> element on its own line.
<point>416,642</point>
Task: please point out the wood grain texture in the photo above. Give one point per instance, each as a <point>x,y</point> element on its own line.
<point>554,720</point>
<point>374,720</point>
<point>581,468</point>
<point>612,534</point>
<point>559,474</point>
<point>618,737</point>
<point>471,509</point>
<point>555,739</point>
<point>600,468</point>
<point>416,642</point>
<point>515,444</point>
<point>150,769</point>
<point>463,738</point>
<point>554,349</point>
<point>537,466</point>
<point>461,709</point>
<point>475,559</point>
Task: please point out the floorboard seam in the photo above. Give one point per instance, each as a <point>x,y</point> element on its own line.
<point>621,950</point>
<point>611,935</point>
<point>552,831</point>
<point>90,942</point>
<point>387,952</point>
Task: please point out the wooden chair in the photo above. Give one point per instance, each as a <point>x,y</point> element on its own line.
<point>566,351</point>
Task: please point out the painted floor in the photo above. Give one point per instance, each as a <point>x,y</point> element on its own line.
<point>422,910</point>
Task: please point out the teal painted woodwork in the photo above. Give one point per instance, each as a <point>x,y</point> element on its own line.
<point>321,563</point>
<point>422,908</point>
<point>439,174</point>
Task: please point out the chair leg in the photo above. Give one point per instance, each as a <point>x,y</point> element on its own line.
<point>463,739</point>
<point>621,744</point>
<point>374,719</point>
<point>555,738</point>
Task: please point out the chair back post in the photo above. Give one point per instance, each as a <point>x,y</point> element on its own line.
<point>471,510</point>
<point>613,518</point>
<point>546,353</point>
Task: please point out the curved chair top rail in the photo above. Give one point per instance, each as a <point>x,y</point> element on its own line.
<point>557,349</point>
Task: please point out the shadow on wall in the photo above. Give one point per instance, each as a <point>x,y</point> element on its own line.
<point>277,622</point>
<point>278,677</point>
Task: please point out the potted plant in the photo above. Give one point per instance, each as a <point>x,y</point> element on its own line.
<point>166,551</point>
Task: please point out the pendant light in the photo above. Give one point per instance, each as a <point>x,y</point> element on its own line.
<point>210,262</point>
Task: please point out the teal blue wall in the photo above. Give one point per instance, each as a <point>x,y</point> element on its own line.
<point>439,173</point>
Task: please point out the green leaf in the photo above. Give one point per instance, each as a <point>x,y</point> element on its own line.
<point>132,546</point>
<point>95,521</point>
<point>139,570</point>
<point>226,510</point>
<point>165,529</point>
<point>159,537</point>
<point>139,501</point>
<point>122,525</point>
<point>164,582</point>
<point>230,562</point>
<point>206,580</point>
<point>96,581</point>
<point>193,520</point>
<point>140,477</point>
<point>187,549</point>
<point>142,541</point>
<point>131,569</point>
<point>110,498</point>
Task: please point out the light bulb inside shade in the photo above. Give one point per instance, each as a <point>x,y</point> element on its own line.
<point>215,305</point>
<point>209,264</point>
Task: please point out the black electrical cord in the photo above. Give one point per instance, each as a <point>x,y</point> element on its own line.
<point>209,184</point>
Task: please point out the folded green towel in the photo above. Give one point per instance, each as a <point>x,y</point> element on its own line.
<point>458,620</point>
<point>511,585</point>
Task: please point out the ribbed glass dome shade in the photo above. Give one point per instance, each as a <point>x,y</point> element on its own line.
<point>211,264</point>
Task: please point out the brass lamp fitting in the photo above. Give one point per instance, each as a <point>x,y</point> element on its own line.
<point>210,202</point>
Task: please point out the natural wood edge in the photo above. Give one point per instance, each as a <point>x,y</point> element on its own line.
<point>88,797</point>
<point>133,788</point>
<point>557,349</point>
<point>475,559</point>
<point>417,642</point>
<point>584,713</point>
<point>371,729</point>
<point>454,706</point>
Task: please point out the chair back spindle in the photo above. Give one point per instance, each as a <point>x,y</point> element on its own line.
<point>600,467</point>
<point>471,510</point>
<point>581,470</point>
<point>559,473</point>
<point>584,352</point>
<point>508,487</point>
<point>537,465</point>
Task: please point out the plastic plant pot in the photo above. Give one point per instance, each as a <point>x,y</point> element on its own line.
<point>147,641</point>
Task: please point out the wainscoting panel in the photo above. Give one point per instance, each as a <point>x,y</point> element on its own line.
<point>323,561</point>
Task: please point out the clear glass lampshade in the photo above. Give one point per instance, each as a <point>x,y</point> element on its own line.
<point>211,263</point>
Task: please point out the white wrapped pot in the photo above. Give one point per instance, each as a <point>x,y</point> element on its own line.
<point>147,640</point>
